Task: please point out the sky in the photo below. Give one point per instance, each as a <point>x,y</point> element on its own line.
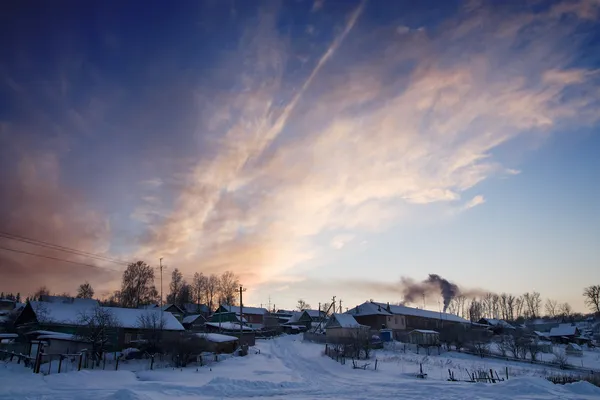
<point>314,148</point>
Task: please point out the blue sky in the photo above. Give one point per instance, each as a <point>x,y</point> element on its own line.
<point>315,148</point>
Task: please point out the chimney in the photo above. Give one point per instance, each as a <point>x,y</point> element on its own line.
<point>388,307</point>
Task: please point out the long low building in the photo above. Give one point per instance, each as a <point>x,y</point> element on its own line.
<point>401,318</point>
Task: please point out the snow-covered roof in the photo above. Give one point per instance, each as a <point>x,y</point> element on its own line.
<point>229,326</point>
<point>190,319</point>
<point>498,322</point>
<point>8,336</point>
<point>70,314</point>
<point>60,336</point>
<point>424,331</point>
<point>563,330</point>
<point>574,346</point>
<point>368,308</point>
<point>374,308</point>
<point>295,317</point>
<point>246,310</point>
<point>343,321</point>
<point>314,313</point>
<point>193,308</point>
<point>167,306</point>
<point>217,337</point>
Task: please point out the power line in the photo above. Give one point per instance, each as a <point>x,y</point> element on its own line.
<point>59,248</point>
<point>57,259</point>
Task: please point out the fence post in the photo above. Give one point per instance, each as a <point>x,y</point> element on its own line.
<point>151,362</point>
<point>60,363</point>
<point>50,365</point>
<point>375,364</point>
<point>117,365</point>
<point>104,361</point>
<point>80,359</point>
<point>506,373</point>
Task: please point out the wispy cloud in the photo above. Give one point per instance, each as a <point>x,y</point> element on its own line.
<point>339,241</point>
<point>474,202</point>
<point>361,143</point>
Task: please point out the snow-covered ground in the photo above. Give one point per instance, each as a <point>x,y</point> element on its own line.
<point>289,368</point>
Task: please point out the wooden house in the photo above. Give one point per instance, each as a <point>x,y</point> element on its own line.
<point>424,338</point>
<point>130,324</point>
<point>254,316</point>
<point>219,343</point>
<point>194,323</point>
<point>344,326</point>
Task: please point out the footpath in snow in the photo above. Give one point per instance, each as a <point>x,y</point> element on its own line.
<point>285,368</point>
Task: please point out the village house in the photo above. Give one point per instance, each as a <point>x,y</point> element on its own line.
<point>497,326</point>
<point>401,319</point>
<point>67,317</point>
<point>254,316</point>
<point>563,333</point>
<point>424,337</point>
<point>194,323</point>
<point>219,343</point>
<point>193,309</point>
<point>344,326</point>
<point>175,310</point>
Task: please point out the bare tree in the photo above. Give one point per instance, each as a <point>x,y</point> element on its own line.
<point>85,291</point>
<point>592,297</point>
<point>41,291</point>
<point>533,302</point>
<point>199,287</point>
<point>475,310</point>
<point>532,346</point>
<point>517,344</point>
<point>302,305</point>
<point>185,295</point>
<point>519,307</point>
<point>510,307</point>
<point>229,284</point>
<point>561,359</point>
<point>175,286</point>
<point>565,311</point>
<point>212,287</point>
<point>137,287</point>
<point>97,326</point>
<point>153,324</point>
<point>551,308</point>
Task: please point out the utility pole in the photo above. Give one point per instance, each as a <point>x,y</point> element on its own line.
<point>161,271</point>
<point>241,314</point>
<point>340,306</point>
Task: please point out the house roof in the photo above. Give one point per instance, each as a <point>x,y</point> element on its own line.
<point>194,308</point>
<point>342,321</point>
<point>563,330</point>
<point>374,308</point>
<point>190,319</point>
<point>217,337</point>
<point>70,314</point>
<point>229,326</point>
<point>314,313</point>
<point>167,306</point>
<point>424,331</point>
<point>246,310</point>
<point>498,322</point>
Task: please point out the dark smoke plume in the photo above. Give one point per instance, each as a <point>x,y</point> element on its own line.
<point>434,284</point>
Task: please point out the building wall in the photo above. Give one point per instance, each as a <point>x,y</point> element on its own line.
<point>395,322</point>
<point>373,321</point>
<point>344,332</point>
<point>64,346</point>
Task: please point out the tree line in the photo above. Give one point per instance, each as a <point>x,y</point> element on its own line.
<point>138,289</point>
<point>514,308</point>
